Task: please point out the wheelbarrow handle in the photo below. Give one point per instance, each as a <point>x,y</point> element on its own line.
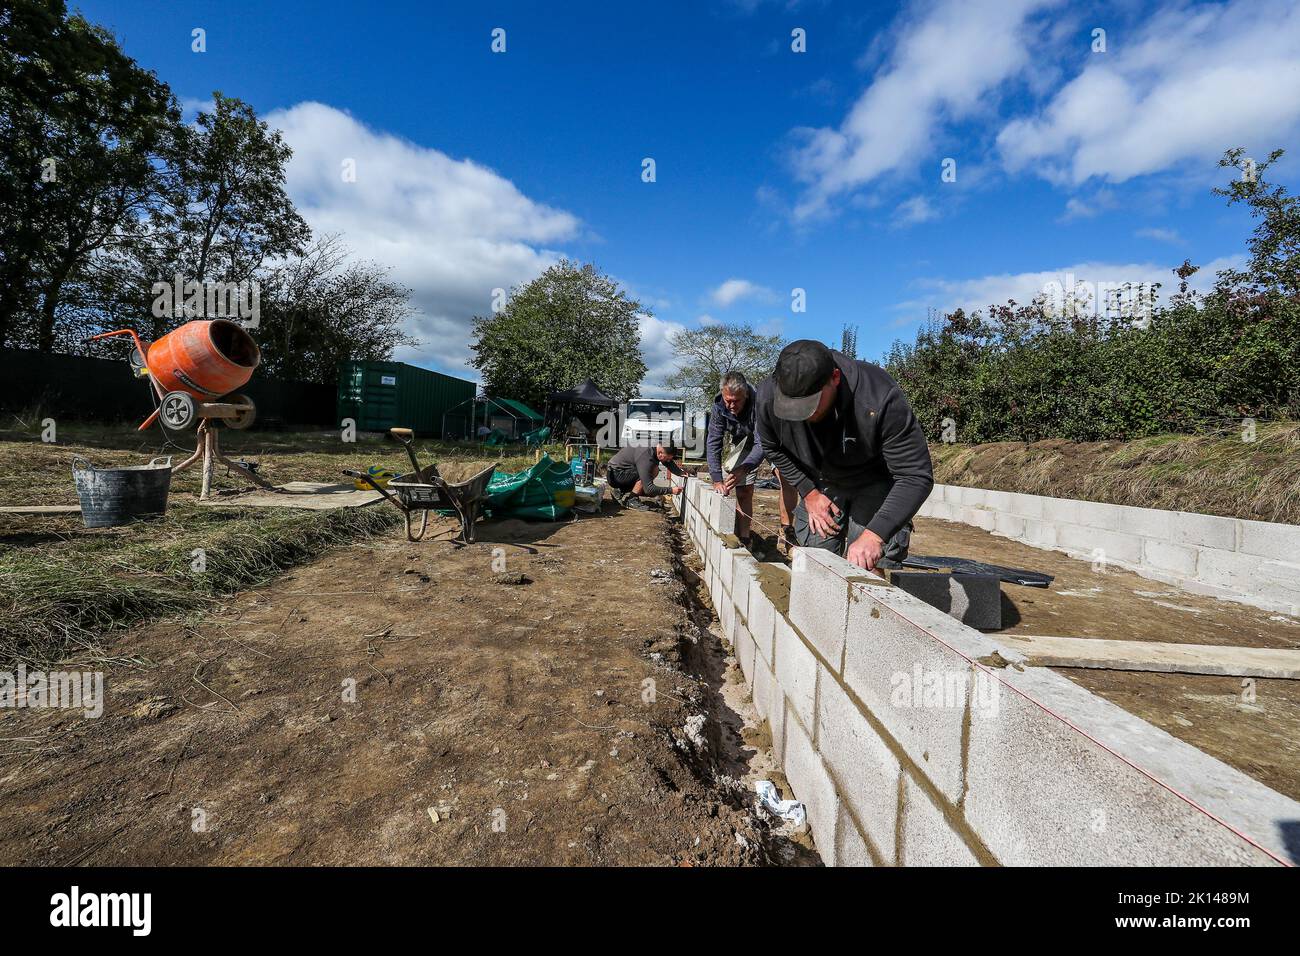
<point>373,484</point>
<point>407,438</point>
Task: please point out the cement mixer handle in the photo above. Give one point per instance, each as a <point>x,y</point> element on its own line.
<point>131,332</point>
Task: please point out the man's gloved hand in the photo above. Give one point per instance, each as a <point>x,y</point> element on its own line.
<point>866,550</point>
<point>823,516</point>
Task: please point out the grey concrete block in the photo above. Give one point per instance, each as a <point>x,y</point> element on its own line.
<point>796,672</point>
<point>914,685</point>
<point>979,517</point>
<point>999,501</point>
<point>727,617</point>
<point>973,599</point>
<point>819,599</point>
<point>1008,525</point>
<point>711,504</point>
<point>744,651</point>
<point>1040,792</point>
<point>928,838</point>
<point>764,689</point>
<point>744,571</point>
<point>1061,511</point>
<point>1041,534</point>
<point>1176,559</point>
<point>1116,546</point>
<point>1206,531</point>
<point>1270,539</point>
<point>1026,506</point>
<point>813,786</point>
<point>1150,523</point>
<point>850,847</point>
<point>726,515</point>
<point>762,621</point>
<point>862,764</point>
<point>776,721</point>
<point>726,565</point>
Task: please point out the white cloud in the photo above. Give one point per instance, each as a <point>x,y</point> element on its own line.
<point>657,352</point>
<point>983,291</point>
<point>1193,81</point>
<point>733,290</point>
<point>913,211</point>
<point>1077,208</point>
<point>452,230</point>
<point>950,56</point>
<point>1161,235</point>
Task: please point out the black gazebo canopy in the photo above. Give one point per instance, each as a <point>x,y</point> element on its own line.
<point>585,394</point>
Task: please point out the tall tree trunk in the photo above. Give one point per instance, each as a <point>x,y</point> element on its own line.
<point>50,305</point>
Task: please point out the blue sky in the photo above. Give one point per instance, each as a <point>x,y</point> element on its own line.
<point>775,169</point>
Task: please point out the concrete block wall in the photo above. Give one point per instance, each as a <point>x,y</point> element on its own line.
<point>909,747</point>
<point>1253,562</point>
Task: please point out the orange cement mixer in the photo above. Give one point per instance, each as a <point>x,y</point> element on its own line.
<point>194,370</point>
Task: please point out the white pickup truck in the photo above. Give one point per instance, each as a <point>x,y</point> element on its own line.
<point>653,421</point>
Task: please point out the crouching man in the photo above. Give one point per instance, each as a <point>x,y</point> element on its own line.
<point>842,432</point>
<point>631,474</point>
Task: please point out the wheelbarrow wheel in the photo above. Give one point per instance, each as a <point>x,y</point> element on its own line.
<point>241,419</point>
<point>178,411</point>
<point>411,534</point>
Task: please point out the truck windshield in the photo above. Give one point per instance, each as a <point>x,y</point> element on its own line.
<point>660,411</point>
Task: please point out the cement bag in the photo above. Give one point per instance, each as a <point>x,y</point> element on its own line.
<point>545,491</point>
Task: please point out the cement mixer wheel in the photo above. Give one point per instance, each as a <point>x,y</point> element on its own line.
<point>177,411</point>
<point>242,419</point>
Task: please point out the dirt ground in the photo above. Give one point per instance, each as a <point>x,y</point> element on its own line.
<point>398,703</point>
<point>1252,725</point>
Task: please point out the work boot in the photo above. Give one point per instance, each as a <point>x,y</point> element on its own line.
<point>634,503</point>
<point>786,542</point>
<point>618,495</point>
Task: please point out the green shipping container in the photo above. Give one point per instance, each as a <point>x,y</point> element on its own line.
<point>383,395</point>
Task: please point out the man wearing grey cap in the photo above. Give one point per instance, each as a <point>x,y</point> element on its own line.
<point>842,432</point>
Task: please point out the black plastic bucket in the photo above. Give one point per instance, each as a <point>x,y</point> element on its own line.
<point>113,496</point>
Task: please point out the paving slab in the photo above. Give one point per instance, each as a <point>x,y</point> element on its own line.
<point>1052,651</point>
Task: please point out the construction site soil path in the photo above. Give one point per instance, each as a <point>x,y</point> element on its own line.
<point>521,700</point>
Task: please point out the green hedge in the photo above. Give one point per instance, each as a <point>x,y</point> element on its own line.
<point>1019,375</point>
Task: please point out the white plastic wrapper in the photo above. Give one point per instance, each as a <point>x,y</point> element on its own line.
<point>791,811</point>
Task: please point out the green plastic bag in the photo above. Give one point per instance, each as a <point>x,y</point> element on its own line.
<point>544,491</point>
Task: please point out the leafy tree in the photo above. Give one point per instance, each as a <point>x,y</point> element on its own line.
<point>83,130</point>
<point>233,214</point>
<point>318,310</point>
<point>705,354</point>
<point>571,323</point>
<point>1275,244</point>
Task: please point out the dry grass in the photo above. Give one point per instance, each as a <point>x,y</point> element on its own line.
<point>1211,474</point>
<point>63,586</point>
